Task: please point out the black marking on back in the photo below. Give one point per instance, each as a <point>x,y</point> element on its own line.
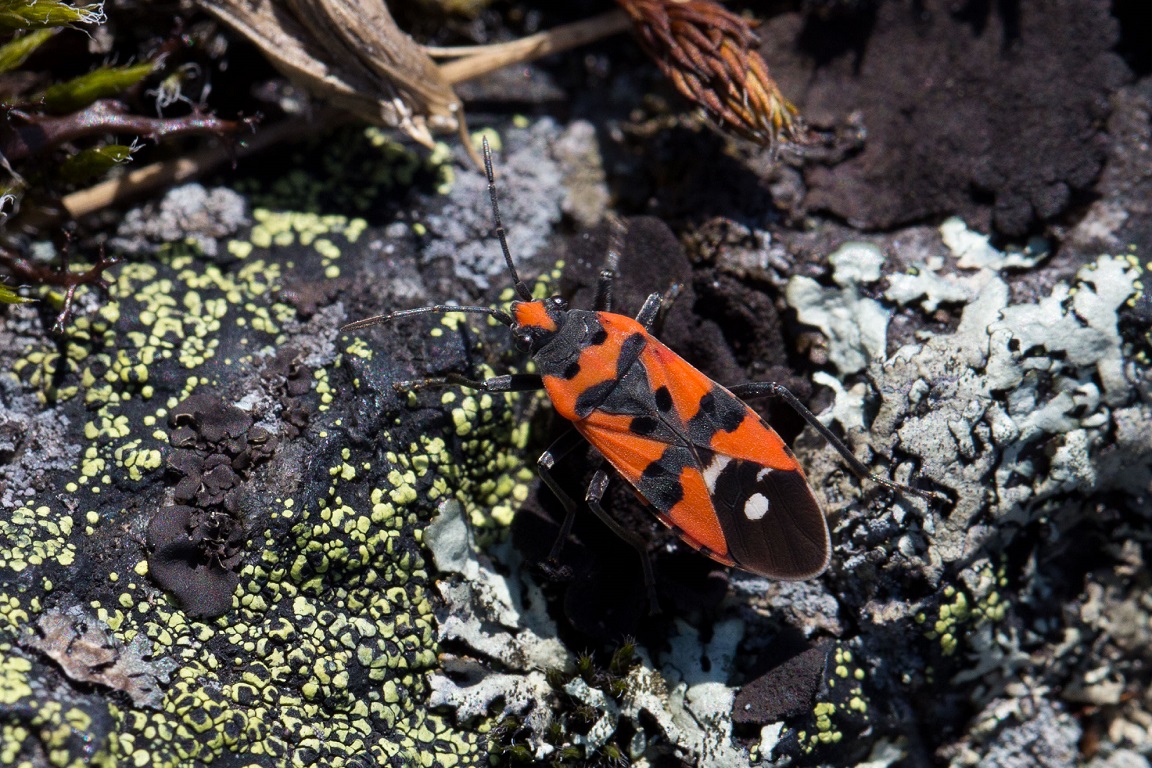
<point>660,481</point>
<point>598,338</point>
<point>630,352</point>
<point>644,426</point>
<point>663,399</point>
<point>591,398</point>
<point>719,412</point>
<point>626,395</point>
<point>723,409</point>
<point>572,370</point>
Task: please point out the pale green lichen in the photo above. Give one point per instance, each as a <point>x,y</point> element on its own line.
<point>324,656</point>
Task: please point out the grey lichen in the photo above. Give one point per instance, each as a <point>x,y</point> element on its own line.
<point>88,652</point>
<point>972,404</point>
<point>1031,416</point>
<point>855,325</point>
<point>531,186</point>
<point>501,618</point>
<point>187,213</point>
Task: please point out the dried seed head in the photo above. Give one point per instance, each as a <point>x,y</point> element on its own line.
<point>709,53</point>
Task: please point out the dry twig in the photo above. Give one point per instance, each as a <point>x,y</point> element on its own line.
<point>63,277</point>
<point>478,60</point>
<point>26,134</point>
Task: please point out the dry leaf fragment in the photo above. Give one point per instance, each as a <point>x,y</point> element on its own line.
<point>351,54</point>
<point>709,53</point>
<point>88,654</point>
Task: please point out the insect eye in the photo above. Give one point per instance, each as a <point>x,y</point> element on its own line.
<point>558,303</point>
<point>523,340</point>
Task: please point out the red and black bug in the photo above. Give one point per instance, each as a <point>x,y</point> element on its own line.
<point>709,466</point>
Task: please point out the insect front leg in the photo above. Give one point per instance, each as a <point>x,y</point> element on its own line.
<point>514,382</point>
<point>772,389</point>
<point>603,302</point>
<point>656,307</point>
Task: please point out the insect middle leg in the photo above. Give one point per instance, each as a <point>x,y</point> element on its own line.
<point>772,389</point>
<point>563,445</point>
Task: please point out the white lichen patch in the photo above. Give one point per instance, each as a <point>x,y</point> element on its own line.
<point>856,326</point>
<point>974,404</point>
<point>848,404</point>
<point>930,289</point>
<point>605,726</point>
<point>88,653</point>
<point>974,251</point>
<point>698,719</point>
<point>487,612</point>
<point>526,694</point>
<point>500,618</point>
<point>1076,326</point>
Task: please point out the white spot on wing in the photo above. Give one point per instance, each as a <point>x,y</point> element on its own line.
<point>756,506</point>
<point>713,470</point>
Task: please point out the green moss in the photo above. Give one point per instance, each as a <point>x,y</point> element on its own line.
<point>89,163</point>
<point>41,14</point>
<point>100,83</point>
<point>16,51</point>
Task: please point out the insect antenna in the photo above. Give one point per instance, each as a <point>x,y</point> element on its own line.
<point>499,315</point>
<point>521,289</point>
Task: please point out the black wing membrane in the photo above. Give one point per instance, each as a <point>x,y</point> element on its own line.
<point>771,523</point>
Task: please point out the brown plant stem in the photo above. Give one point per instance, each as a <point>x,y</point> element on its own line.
<point>36,134</point>
<point>169,172</point>
<point>63,277</point>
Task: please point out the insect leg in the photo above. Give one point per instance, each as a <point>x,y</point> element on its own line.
<point>516,382</point>
<point>596,490</point>
<point>656,307</point>
<point>604,282</point>
<point>772,389</point>
<point>608,274</point>
<point>562,447</point>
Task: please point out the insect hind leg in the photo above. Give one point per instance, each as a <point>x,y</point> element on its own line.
<point>772,389</point>
<point>596,491</point>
